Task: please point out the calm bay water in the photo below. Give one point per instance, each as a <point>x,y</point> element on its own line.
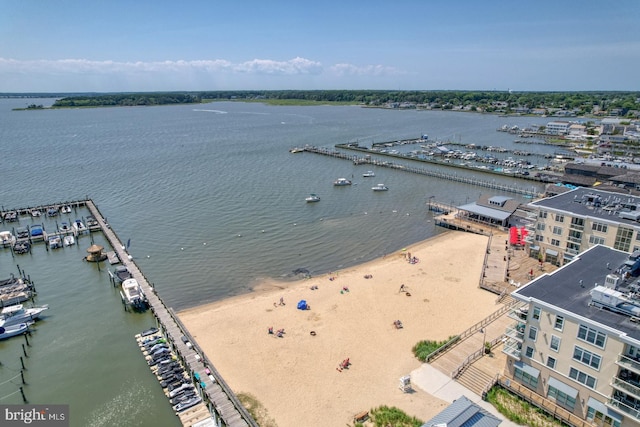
<point>212,202</point>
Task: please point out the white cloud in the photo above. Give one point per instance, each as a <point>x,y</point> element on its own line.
<point>367,70</point>
<point>81,75</point>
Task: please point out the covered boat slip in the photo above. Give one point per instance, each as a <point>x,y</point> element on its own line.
<point>220,404</point>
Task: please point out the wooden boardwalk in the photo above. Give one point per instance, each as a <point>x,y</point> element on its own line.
<point>220,404</point>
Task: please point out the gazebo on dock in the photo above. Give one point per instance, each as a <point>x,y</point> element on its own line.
<point>96,253</point>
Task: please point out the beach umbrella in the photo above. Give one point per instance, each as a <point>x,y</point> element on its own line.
<point>302,305</point>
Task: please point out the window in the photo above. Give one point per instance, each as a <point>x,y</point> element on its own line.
<point>582,378</point>
<point>591,336</point>
<point>559,218</point>
<point>623,239</point>
<point>596,226</point>
<point>539,238</point>
<point>529,352</point>
<point>557,230</point>
<point>540,226</point>
<point>594,240</point>
<point>536,313</point>
<point>555,242</point>
<point>586,357</point>
<point>525,378</point>
<point>561,398</point>
<point>559,323</point>
<point>551,362</point>
<point>533,333</point>
<point>542,214</point>
<point>600,418</point>
<point>555,343</point>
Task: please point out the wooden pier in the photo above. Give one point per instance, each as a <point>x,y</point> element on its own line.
<point>368,160</point>
<point>220,405</point>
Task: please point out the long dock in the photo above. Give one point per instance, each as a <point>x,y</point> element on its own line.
<point>220,404</point>
<point>513,188</point>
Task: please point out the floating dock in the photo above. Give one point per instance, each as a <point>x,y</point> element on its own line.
<point>220,405</point>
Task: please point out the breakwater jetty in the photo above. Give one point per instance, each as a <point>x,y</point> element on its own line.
<point>369,160</point>
<point>220,404</point>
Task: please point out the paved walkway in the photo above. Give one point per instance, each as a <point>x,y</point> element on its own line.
<point>436,383</point>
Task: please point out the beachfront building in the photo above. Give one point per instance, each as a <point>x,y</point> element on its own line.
<point>575,340</point>
<point>571,222</point>
<point>490,210</point>
<point>558,127</point>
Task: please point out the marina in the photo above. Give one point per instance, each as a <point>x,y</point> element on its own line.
<point>215,404</point>
<point>529,192</point>
<point>221,403</point>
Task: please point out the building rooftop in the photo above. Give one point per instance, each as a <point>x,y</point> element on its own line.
<point>589,202</point>
<point>569,288</point>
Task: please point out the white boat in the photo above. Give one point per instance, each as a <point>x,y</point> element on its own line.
<point>379,187</point>
<point>15,314</point>
<point>66,209</point>
<point>341,182</point>
<point>69,240</point>
<point>133,295</point>
<point>79,226</point>
<point>13,330</point>
<point>7,239</point>
<point>368,174</point>
<point>35,213</point>
<point>312,198</point>
<point>55,242</point>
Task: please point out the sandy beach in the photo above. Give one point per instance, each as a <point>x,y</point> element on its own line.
<point>351,315</point>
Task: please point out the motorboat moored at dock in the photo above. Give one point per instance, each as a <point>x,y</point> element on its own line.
<point>133,295</point>
<point>13,330</point>
<point>78,226</point>
<point>15,314</point>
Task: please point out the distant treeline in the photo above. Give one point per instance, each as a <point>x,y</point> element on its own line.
<point>127,100</point>
<point>483,100</point>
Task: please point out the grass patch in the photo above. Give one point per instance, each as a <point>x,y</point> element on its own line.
<point>385,416</point>
<point>520,411</point>
<point>258,412</point>
<point>425,347</point>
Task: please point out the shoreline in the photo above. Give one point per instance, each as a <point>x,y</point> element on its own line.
<point>351,316</point>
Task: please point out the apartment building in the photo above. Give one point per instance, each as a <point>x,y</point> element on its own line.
<point>575,339</point>
<point>558,127</point>
<point>571,222</point>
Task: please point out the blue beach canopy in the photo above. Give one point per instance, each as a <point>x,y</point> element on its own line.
<point>302,305</point>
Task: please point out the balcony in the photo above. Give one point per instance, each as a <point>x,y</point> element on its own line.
<point>574,239</point>
<point>628,363</point>
<point>626,387</point>
<point>515,331</point>
<point>519,313</point>
<point>576,227</point>
<point>512,348</point>
<point>625,406</point>
<point>572,251</point>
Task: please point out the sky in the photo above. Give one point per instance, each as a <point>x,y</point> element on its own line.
<point>199,45</point>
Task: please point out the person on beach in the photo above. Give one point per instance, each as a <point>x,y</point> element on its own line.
<point>402,288</point>
<point>281,300</point>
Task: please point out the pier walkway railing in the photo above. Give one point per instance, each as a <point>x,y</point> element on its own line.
<point>222,403</point>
